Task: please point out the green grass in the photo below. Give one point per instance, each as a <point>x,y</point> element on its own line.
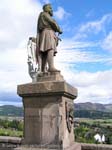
<point>10,132</point>
<point>87,128</point>
<point>102,122</point>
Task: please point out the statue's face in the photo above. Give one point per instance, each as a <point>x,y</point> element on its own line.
<point>49,10</point>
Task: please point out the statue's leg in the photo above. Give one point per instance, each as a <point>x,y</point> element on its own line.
<point>44,61</point>
<point>50,60</point>
<point>40,62</point>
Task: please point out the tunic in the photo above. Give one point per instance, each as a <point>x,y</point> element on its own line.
<point>46,29</point>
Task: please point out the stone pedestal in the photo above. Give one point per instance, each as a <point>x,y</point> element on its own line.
<point>47,113</point>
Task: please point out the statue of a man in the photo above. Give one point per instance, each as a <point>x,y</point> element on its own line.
<point>47,39</point>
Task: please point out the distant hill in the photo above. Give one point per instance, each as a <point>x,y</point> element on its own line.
<point>82,110</point>
<point>9,110</point>
<point>93,110</point>
<point>108,107</point>
<point>93,106</point>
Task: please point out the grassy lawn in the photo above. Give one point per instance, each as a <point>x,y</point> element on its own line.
<point>102,122</point>
<point>85,129</point>
<point>10,132</point>
<point>11,126</point>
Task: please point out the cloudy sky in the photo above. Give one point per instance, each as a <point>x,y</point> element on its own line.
<point>84,54</point>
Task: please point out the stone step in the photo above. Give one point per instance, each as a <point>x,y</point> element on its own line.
<point>75,146</point>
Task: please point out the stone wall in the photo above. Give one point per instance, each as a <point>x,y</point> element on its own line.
<point>12,143</point>
<point>96,147</point>
<point>9,143</point>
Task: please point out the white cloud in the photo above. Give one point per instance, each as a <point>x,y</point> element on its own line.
<point>13,69</point>
<point>107,42</point>
<point>70,43</point>
<point>18,22</point>
<point>93,27</point>
<point>96,26</point>
<point>61,13</point>
<point>92,87</point>
<point>71,52</point>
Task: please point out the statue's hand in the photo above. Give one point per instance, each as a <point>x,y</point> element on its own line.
<point>60,32</point>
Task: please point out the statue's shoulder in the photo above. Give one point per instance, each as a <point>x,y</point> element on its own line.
<point>42,14</point>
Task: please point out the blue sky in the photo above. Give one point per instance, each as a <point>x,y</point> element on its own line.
<point>84,54</point>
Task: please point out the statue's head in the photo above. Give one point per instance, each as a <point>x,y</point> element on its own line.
<point>48,8</point>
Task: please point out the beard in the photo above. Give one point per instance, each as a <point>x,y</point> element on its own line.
<point>51,13</point>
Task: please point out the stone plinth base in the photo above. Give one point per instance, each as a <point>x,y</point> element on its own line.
<point>95,146</point>
<point>49,76</point>
<point>48,109</point>
<point>72,147</point>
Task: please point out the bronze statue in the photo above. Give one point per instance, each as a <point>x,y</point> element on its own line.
<point>47,39</point>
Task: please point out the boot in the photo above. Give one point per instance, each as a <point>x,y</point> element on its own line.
<point>50,60</point>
